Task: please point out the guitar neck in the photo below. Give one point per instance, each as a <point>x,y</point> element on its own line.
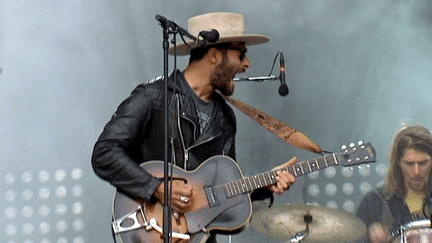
<point>251,183</point>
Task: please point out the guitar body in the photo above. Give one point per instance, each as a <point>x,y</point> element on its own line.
<point>211,209</point>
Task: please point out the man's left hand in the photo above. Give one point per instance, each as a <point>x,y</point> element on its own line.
<point>284,178</point>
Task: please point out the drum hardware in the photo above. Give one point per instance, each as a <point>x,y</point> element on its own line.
<point>307,223</point>
<point>414,232</point>
<point>300,236</point>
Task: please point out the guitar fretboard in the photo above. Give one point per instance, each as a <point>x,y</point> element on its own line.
<point>251,183</point>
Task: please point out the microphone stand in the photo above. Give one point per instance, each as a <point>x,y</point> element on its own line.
<point>256,79</point>
<point>168,27</point>
<point>167,227</point>
<point>283,88</point>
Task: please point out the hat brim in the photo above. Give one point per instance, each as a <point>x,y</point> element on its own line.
<point>248,39</point>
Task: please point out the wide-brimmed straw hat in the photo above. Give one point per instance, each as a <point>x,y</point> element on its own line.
<point>229,25</point>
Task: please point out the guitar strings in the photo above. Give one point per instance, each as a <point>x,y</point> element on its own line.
<point>220,188</point>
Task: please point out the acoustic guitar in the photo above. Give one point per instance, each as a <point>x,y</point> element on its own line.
<point>221,200</point>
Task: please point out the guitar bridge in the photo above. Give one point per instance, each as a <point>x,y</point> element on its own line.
<point>133,215</point>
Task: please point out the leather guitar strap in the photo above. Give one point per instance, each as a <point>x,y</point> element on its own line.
<point>282,130</point>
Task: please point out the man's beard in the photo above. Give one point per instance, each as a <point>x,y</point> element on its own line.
<point>221,78</point>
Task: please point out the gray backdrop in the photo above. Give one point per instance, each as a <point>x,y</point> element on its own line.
<point>356,70</point>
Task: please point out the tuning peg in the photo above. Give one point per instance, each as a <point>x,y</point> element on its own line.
<point>352,145</point>
<point>343,147</point>
<point>360,142</point>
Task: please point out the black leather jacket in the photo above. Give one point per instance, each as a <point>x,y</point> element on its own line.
<point>135,134</point>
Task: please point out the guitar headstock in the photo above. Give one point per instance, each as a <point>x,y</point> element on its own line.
<point>356,154</point>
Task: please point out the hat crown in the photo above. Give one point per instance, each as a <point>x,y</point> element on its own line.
<point>227,24</point>
<point>230,26</point>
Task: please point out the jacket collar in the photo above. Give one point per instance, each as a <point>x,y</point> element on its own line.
<point>219,122</point>
<point>178,85</point>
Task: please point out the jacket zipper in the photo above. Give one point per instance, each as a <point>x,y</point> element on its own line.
<point>186,155</point>
<point>186,150</point>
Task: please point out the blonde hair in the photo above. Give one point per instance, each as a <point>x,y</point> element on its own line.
<point>415,137</point>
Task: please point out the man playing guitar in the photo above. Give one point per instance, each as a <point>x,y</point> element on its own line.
<point>201,124</point>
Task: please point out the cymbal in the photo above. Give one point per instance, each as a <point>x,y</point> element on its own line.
<point>283,221</point>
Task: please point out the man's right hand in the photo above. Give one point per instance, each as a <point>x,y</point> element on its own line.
<point>182,196</point>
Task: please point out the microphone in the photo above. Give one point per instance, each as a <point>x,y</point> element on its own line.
<point>163,21</point>
<point>209,35</point>
<point>206,36</point>
<point>283,89</point>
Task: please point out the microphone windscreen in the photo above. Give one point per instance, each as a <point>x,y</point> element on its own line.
<point>283,90</point>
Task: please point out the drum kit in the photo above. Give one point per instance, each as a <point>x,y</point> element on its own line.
<point>312,223</point>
